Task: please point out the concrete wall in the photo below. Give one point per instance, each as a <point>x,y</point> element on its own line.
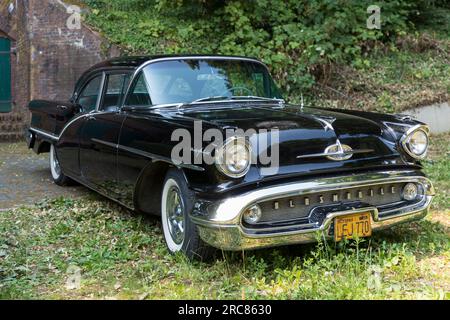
<point>436,116</point>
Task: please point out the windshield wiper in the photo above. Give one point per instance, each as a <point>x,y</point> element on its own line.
<point>257,97</point>
<point>210,98</point>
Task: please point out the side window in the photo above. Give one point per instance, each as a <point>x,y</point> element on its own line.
<point>89,95</point>
<point>139,95</point>
<point>115,87</point>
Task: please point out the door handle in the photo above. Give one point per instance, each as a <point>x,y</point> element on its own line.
<point>90,118</point>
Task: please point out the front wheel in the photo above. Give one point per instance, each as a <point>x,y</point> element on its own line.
<point>180,233</point>
<point>58,177</point>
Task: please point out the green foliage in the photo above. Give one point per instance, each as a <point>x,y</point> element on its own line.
<point>123,256</point>
<point>298,39</point>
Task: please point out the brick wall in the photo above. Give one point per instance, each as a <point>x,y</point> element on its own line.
<point>13,25</point>
<point>48,59</point>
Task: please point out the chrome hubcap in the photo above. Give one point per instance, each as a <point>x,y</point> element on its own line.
<point>175,215</point>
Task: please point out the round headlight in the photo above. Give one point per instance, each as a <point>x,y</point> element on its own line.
<point>234,157</point>
<point>410,191</point>
<point>415,143</point>
<point>252,214</point>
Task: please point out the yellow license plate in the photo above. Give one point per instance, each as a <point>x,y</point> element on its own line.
<point>352,226</point>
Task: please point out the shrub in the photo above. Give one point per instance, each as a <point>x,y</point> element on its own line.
<point>299,39</point>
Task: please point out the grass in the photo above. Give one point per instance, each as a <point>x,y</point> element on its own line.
<point>121,255</point>
<point>394,79</point>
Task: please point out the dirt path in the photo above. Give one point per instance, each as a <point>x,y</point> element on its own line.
<point>25,178</point>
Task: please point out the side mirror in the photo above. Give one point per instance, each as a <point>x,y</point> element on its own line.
<point>69,108</point>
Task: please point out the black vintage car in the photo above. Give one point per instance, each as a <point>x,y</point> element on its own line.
<point>339,173</point>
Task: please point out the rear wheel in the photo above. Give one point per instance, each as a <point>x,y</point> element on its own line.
<point>180,233</point>
<point>58,177</point>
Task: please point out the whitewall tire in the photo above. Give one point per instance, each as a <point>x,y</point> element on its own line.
<point>180,233</point>
<point>55,168</point>
<point>172,214</point>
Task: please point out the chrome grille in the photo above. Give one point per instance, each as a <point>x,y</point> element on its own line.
<point>297,207</point>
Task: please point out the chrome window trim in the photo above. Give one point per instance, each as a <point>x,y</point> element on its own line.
<point>101,92</point>
<point>105,82</point>
<point>86,82</point>
<point>408,132</point>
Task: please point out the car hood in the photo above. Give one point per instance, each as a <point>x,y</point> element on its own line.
<point>287,118</point>
<point>303,133</point>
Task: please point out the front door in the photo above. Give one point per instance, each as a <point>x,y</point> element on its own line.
<point>5,75</point>
<point>100,135</point>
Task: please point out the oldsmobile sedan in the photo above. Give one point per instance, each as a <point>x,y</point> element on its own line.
<point>209,144</point>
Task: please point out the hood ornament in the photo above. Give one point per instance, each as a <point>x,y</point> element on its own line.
<point>327,122</point>
<point>336,152</point>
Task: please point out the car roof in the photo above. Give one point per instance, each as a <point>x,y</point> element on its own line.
<point>136,61</point>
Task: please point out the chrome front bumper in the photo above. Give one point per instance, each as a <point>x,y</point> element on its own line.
<point>220,224</point>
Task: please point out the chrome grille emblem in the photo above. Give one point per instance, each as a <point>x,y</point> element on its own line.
<point>338,151</point>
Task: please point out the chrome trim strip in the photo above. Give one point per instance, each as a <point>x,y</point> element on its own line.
<point>57,137</point>
<point>106,143</point>
<point>325,154</point>
<point>72,121</point>
<point>341,152</point>
<point>324,226</point>
<point>408,132</point>
<point>155,157</point>
<point>302,228</point>
<point>45,134</point>
<point>384,215</point>
<point>101,90</point>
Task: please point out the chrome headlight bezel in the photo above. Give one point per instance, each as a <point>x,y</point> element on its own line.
<point>223,167</point>
<point>405,141</point>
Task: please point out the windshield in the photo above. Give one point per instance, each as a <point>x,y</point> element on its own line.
<point>189,80</point>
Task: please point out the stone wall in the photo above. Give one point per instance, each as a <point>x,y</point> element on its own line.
<point>47,56</point>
